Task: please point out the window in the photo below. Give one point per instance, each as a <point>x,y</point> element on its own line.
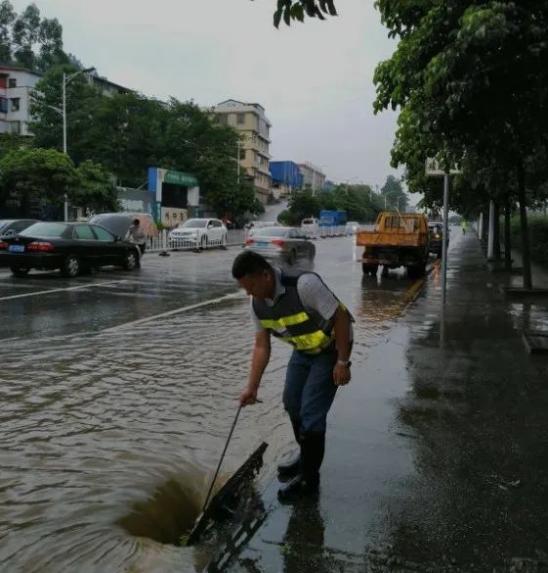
<point>240,118</point>
<point>222,119</point>
<point>15,127</point>
<point>103,234</point>
<point>216,223</point>
<point>15,103</point>
<point>12,83</point>
<point>84,232</point>
<point>3,105</point>
<point>242,154</point>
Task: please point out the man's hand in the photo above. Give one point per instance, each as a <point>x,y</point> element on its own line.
<point>341,374</point>
<point>248,397</point>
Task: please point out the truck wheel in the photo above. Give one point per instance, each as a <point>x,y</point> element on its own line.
<point>370,269</point>
<point>416,271</point>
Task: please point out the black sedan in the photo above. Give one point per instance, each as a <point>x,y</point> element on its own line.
<point>70,247</point>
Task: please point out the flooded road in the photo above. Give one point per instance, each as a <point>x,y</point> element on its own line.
<point>117,398</point>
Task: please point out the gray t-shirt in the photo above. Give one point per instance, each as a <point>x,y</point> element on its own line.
<point>313,293</point>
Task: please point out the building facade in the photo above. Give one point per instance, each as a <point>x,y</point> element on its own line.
<point>286,177</point>
<point>16,85</point>
<point>250,120</point>
<point>313,177</point>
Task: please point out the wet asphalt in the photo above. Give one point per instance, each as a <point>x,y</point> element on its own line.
<point>118,390</point>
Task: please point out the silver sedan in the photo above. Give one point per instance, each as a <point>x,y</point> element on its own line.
<point>287,243</point>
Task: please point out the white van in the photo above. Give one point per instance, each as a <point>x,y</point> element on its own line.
<point>310,227</point>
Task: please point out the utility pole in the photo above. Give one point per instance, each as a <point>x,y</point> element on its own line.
<point>238,159</point>
<point>66,81</point>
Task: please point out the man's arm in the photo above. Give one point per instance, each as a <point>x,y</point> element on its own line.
<point>341,372</point>
<point>259,361</point>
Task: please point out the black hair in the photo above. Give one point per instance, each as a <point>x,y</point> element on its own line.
<point>249,263</point>
<point>136,221</point>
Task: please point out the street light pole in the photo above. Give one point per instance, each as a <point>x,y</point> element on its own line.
<point>238,159</point>
<point>66,80</point>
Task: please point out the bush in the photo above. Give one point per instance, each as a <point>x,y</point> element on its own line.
<point>538,235</point>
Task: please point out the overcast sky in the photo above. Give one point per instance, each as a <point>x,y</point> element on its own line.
<point>313,79</point>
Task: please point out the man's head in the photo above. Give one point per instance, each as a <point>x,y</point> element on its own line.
<point>136,222</point>
<point>254,274</point>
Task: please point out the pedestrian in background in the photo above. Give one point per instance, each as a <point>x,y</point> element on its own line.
<point>302,311</point>
<point>137,235</point>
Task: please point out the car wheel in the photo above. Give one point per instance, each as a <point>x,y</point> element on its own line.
<point>71,267</point>
<point>131,260</point>
<point>203,242</point>
<point>19,271</point>
<point>370,269</point>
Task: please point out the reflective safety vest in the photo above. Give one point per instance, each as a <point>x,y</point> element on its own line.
<point>306,330</point>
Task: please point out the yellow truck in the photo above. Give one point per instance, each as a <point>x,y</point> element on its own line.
<point>398,239</point>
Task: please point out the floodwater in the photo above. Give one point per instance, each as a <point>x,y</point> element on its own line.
<point>110,439</point>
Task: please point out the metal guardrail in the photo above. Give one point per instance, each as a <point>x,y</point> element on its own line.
<point>235,237</point>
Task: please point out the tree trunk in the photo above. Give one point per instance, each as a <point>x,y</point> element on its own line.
<point>507,234</point>
<point>525,252</point>
<point>496,238</point>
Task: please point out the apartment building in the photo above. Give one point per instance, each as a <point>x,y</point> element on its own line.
<point>16,86</point>
<point>251,121</point>
<point>313,177</point>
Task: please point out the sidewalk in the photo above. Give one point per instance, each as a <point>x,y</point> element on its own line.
<point>437,453</point>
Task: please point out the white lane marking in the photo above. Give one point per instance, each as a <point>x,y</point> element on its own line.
<point>174,312</point>
<point>42,292</point>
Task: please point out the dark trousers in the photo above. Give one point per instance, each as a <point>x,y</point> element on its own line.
<point>309,390</point>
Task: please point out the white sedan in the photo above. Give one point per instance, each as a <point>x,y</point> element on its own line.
<point>199,234</point>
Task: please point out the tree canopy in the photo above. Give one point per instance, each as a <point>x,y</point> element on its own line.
<point>38,180</point>
<point>288,10</point>
<point>28,40</point>
<point>128,132</point>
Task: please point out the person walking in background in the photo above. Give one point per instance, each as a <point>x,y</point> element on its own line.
<point>302,311</point>
<point>137,235</point>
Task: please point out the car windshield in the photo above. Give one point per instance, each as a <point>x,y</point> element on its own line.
<point>271,232</point>
<point>194,224</point>
<point>4,224</point>
<point>45,230</point>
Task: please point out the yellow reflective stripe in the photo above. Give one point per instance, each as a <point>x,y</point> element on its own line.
<point>285,321</point>
<point>314,341</point>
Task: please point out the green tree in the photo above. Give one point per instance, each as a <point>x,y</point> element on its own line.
<point>471,81</point>
<point>95,189</point>
<point>37,176</point>
<point>83,100</point>
<point>7,17</point>
<point>392,191</point>
<point>288,10</point>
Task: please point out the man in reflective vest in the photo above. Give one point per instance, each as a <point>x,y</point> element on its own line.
<point>302,311</point>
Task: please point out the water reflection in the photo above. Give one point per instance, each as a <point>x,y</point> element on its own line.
<point>304,539</point>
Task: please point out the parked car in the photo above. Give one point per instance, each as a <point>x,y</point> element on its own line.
<point>119,223</point>
<point>252,226</point>
<point>70,247</point>
<point>199,234</point>
<point>287,243</point>
<point>435,233</point>
<point>11,227</point>
<point>310,227</point>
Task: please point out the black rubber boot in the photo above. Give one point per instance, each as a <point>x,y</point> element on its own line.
<point>293,467</point>
<point>307,482</point>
